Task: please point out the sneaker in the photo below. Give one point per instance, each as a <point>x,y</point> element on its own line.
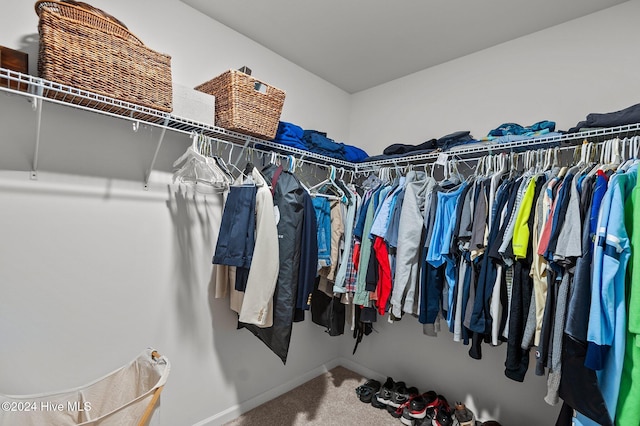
<point>384,396</point>
<point>399,396</point>
<point>463,415</point>
<point>443,418</point>
<point>416,408</point>
<point>437,413</point>
<point>375,401</point>
<point>366,391</point>
<point>443,413</point>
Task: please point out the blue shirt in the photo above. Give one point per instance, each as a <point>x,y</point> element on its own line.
<point>607,316</point>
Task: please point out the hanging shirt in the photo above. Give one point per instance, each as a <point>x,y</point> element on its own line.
<point>521,229</point>
<point>628,409</point>
<point>340,282</point>
<point>410,230</point>
<point>505,249</point>
<point>439,253</point>
<point>322,207</point>
<point>607,316</point>
<point>361,296</point>
<point>381,221</point>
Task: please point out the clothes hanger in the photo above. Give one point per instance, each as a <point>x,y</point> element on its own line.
<point>199,169</point>
<point>611,156</point>
<point>329,184</point>
<point>629,158</point>
<point>455,172</point>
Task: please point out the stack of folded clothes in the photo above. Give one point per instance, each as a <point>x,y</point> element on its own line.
<point>629,115</point>
<point>444,143</point>
<point>317,142</point>
<point>511,132</point>
<point>290,135</point>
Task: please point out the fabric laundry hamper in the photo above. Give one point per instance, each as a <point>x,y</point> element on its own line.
<point>245,104</point>
<point>86,48</point>
<point>126,396</point>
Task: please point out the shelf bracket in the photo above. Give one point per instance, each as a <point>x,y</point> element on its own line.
<point>244,147</point>
<point>155,154</point>
<point>37,104</point>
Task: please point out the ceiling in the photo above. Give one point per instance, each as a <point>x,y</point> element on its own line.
<point>359,44</point>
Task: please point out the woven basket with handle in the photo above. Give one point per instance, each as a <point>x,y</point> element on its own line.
<point>86,48</point>
<point>244,104</point>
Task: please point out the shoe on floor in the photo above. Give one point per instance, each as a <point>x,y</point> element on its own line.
<point>437,413</point>
<point>443,413</point>
<point>416,408</point>
<point>399,397</point>
<point>366,391</point>
<point>384,396</point>
<point>375,401</point>
<point>463,415</point>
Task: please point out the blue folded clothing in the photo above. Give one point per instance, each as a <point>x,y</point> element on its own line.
<point>528,136</point>
<point>294,136</point>
<point>289,131</point>
<point>516,129</point>
<point>354,154</point>
<point>289,134</point>
<point>318,141</point>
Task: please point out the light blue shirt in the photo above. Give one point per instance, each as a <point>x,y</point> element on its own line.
<point>607,315</point>
<point>379,226</point>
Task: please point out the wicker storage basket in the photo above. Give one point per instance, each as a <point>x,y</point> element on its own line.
<point>85,48</point>
<point>245,104</point>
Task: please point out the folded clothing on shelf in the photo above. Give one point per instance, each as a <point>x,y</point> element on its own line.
<point>516,129</point>
<point>451,140</point>
<point>402,149</point>
<point>294,136</point>
<point>289,134</point>
<point>629,115</point>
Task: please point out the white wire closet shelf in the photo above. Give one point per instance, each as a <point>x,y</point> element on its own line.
<point>41,90</point>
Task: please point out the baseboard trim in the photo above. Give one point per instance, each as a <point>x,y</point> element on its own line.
<point>241,408</point>
<point>360,369</point>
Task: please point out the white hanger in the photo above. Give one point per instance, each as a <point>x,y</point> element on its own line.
<point>330,184</point>
<point>200,169</point>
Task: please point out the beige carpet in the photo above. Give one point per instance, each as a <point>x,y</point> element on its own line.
<point>329,399</point>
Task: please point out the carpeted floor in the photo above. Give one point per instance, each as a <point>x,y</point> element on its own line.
<point>329,399</point>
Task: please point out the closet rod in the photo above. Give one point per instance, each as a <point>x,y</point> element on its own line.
<point>281,156</point>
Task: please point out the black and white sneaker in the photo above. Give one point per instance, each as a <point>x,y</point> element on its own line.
<point>400,396</point>
<point>384,396</point>
<point>375,401</point>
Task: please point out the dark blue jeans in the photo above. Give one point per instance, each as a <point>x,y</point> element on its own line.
<point>323,215</point>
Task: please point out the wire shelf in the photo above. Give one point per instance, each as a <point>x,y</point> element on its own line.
<point>49,91</point>
<point>30,86</point>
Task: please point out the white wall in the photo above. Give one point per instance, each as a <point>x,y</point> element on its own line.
<point>93,269</point>
<point>560,74</point>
